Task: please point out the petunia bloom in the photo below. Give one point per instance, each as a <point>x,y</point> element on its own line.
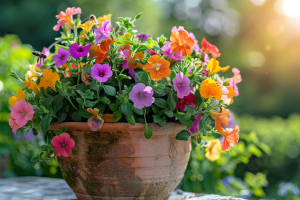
<point>87,26</point>
<point>101,72</point>
<point>95,122</point>
<point>103,32</point>
<point>186,101</point>
<point>100,53</point>
<point>32,85</point>
<point>66,17</point>
<point>214,67</point>
<point>210,89</point>
<point>209,48</point>
<point>61,57</point>
<point>235,88</point>
<point>14,126</point>
<point>79,51</point>
<point>49,79</point>
<point>236,75</point>
<point>125,65</point>
<point>227,97</point>
<point>22,112</point>
<point>133,64</point>
<point>205,72</point>
<point>220,118</point>
<point>195,127</point>
<point>181,85</point>
<point>63,145</point>
<point>40,61</point>
<point>172,55</point>
<point>143,36</point>
<point>231,138</point>
<point>32,73</point>
<point>157,67</point>
<point>213,150</point>
<point>141,95</point>
<point>181,42</point>
<point>20,95</point>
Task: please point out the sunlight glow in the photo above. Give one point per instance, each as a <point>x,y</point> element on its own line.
<point>291,8</point>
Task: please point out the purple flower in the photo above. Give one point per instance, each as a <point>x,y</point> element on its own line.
<point>61,57</point>
<point>79,51</point>
<point>143,36</point>
<point>141,95</point>
<point>181,85</point>
<point>103,32</point>
<point>101,72</point>
<point>173,55</point>
<point>205,72</point>
<point>231,120</point>
<point>41,60</point>
<point>195,126</point>
<point>125,64</point>
<point>206,59</point>
<point>235,88</point>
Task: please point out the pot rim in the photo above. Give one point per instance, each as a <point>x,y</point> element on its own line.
<point>118,126</point>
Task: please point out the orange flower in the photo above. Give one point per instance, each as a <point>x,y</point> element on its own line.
<point>214,67</point>
<point>87,26</point>
<point>209,48</point>
<point>102,49</point>
<point>210,89</point>
<point>181,42</point>
<point>213,150</point>
<point>108,118</point>
<point>157,67</point>
<point>133,64</point>
<point>49,79</point>
<point>220,118</point>
<point>231,138</point>
<point>94,111</point>
<point>32,85</point>
<point>231,93</point>
<point>20,95</point>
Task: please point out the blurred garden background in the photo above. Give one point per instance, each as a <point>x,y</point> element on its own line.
<point>259,37</point>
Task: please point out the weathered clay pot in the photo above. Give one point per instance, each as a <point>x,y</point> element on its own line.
<point>118,162</point>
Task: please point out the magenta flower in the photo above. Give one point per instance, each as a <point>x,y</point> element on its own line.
<point>205,72</point>
<point>180,28</point>
<point>195,127</point>
<point>13,124</point>
<point>152,52</point>
<point>63,145</point>
<point>21,112</point>
<point>181,85</point>
<point>235,88</point>
<point>143,36</point>
<point>141,95</point>
<point>173,55</point>
<point>103,32</point>
<point>61,58</point>
<point>186,101</point>
<point>95,123</point>
<point>79,51</point>
<point>41,60</point>
<point>101,72</point>
<point>125,64</point>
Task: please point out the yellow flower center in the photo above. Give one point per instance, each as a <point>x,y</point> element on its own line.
<point>157,66</point>
<point>180,43</point>
<point>24,113</point>
<point>63,144</point>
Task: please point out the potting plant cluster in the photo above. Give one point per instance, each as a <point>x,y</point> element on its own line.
<point>103,73</point>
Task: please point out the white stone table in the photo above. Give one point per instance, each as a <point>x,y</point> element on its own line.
<point>37,188</point>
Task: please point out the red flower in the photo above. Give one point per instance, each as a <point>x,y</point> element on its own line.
<point>231,138</point>
<point>185,101</point>
<point>63,145</point>
<point>209,48</point>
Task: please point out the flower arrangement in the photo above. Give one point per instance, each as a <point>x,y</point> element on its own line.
<point>108,74</point>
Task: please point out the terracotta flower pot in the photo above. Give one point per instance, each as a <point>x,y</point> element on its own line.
<point>118,162</point>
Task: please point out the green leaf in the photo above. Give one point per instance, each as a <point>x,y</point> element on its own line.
<point>105,100</point>
<point>142,48</point>
<point>203,121</point>
<point>168,112</point>
<point>101,108</point>
<point>130,120</point>
<point>79,100</point>
<point>148,132</point>
<point>84,113</point>
<point>35,132</point>
<point>154,108</point>
<point>44,148</point>
<point>110,90</point>
<point>62,117</point>
<point>137,111</point>
<point>87,70</point>
<point>183,135</point>
<point>140,120</point>
<point>45,123</point>
<point>138,16</point>
<point>189,109</point>
<point>172,75</point>
<point>161,103</point>
<point>57,103</point>
<point>95,85</point>
<point>114,107</point>
<point>145,77</point>
<point>171,102</point>
<point>167,90</point>
<point>76,117</point>
<point>121,76</point>
<point>126,109</point>
<point>46,102</point>
<point>89,104</point>
<point>198,99</point>
<point>183,121</point>
<point>162,122</point>
<point>117,116</point>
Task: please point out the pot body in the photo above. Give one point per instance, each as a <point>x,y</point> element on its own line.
<point>118,162</point>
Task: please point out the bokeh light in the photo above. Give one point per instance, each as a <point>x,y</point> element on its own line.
<point>291,8</point>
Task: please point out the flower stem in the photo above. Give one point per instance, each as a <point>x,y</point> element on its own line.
<point>72,103</point>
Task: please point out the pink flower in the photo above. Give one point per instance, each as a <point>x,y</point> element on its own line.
<point>95,123</point>
<point>41,60</point>
<point>152,52</point>
<point>205,72</point>
<point>236,75</point>
<point>101,72</point>
<point>61,57</point>
<point>63,145</point>
<point>173,55</point>
<point>21,113</point>
<point>79,51</point>
<point>141,95</point>
<point>195,127</point>
<point>126,54</point>
<point>103,32</point>
<point>66,17</point>
<point>181,85</point>
<point>143,36</point>
<point>14,125</point>
<point>185,101</point>
<point>235,88</point>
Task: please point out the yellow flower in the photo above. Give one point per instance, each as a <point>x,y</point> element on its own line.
<point>213,150</point>
<point>214,67</point>
<point>87,26</point>
<point>20,95</point>
<point>49,79</point>
<point>32,85</point>
<point>104,18</point>
<point>210,89</point>
<point>32,73</point>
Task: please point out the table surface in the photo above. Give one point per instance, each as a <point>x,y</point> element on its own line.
<point>38,188</point>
